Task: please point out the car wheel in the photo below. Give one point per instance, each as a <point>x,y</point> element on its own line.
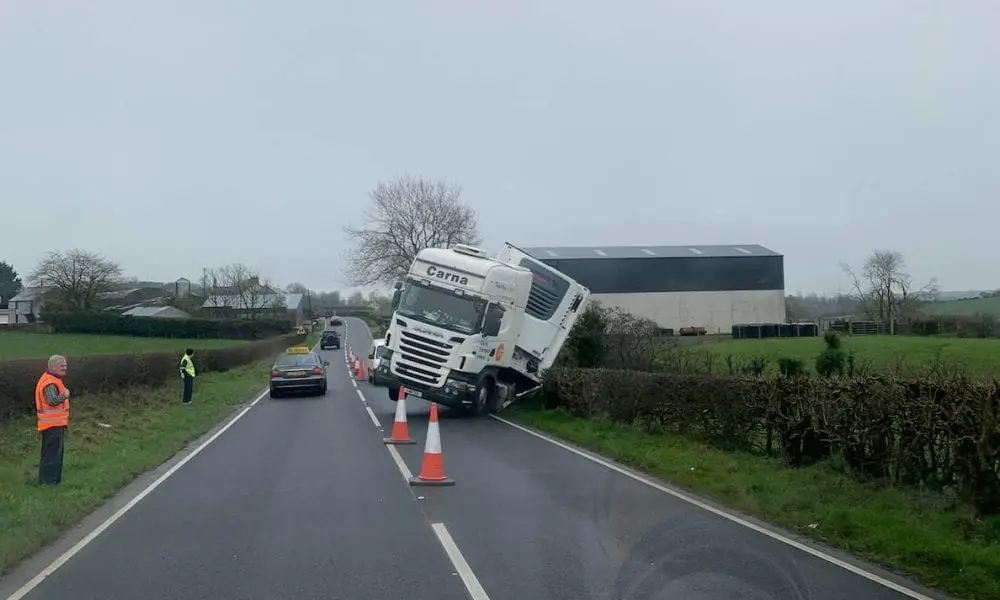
<point>322,390</point>
<point>274,393</point>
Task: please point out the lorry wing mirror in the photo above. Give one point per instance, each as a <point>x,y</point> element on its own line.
<point>491,326</point>
<point>395,298</point>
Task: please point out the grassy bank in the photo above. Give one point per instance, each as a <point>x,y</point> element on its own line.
<point>113,438</point>
<point>884,353</point>
<point>14,344</point>
<point>944,548</point>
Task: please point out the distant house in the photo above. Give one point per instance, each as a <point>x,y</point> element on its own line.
<point>259,304</point>
<point>159,312</point>
<point>28,304</point>
<point>7,316</point>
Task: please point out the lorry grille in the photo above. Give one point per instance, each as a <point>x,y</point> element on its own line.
<point>422,359</point>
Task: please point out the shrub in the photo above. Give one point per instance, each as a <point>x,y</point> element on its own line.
<point>832,360</point>
<point>114,324</point>
<point>584,345</point>
<point>792,367</point>
<point>944,434</point>
<point>93,374</point>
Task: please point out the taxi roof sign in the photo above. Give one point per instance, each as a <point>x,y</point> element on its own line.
<point>299,350</point>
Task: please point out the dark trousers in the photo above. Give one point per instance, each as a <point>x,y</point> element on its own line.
<point>188,388</point>
<point>51,464</point>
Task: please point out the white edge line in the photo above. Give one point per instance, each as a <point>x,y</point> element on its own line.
<point>371,415</point>
<point>469,578</point>
<point>396,458</point>
<point>727,515</point>
<point>49,570</point>
<point>465,572</point>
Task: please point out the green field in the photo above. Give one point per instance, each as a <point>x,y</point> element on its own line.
<point>907,354</point>
<point>15,344</point>
<point>972,306</point>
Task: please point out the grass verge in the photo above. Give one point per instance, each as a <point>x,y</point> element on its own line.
<point>113,438</point>
<point>942,548</point>
<point>15,344</point>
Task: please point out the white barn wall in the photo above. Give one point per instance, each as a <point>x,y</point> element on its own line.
<point>717,312</point>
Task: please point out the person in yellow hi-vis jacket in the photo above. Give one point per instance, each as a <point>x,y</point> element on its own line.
<point>187,374</point>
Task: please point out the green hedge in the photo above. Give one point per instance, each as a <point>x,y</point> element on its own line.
<point>94,374</point>
<point>113,324</point>
<point>942,434</point>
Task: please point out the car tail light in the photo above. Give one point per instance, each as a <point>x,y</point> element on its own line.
<point>317,371</point>
<point>275,374</point>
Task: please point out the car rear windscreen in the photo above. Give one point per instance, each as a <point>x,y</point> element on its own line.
<point>296,360</point>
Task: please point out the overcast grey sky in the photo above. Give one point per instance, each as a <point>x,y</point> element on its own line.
<point>171,135</point>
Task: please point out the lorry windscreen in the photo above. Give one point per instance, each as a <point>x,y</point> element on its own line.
<point>463,314</point>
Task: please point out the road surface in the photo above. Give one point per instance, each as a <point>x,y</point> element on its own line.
<point>300,499</point>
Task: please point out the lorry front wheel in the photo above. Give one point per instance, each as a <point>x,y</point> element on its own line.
<point>484,399</point>
<point>393,393</point>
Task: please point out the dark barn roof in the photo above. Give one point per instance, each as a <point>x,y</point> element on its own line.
<point>579,252</point>
<point>648,269</point>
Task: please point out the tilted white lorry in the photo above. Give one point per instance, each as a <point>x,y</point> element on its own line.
<point>474,332</point>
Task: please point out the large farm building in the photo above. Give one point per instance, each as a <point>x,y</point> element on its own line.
<point>713,287</point>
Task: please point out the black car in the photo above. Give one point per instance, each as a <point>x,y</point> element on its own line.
<point>330,339</point>
<point>298,370</point>
<point>336,323</point>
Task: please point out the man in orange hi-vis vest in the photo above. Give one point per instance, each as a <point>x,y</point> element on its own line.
<point>52,408</point>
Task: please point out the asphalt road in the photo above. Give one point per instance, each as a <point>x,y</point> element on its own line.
<point>301,499</point>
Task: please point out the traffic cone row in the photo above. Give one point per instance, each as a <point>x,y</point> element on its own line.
<point>432,464</point>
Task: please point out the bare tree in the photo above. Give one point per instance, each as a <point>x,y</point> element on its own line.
<point>296,288</point>
<point>885,289</point>
<point>80,276</point>
<point>406,216</point>
<point>213,285</point>
<point>237,287</point>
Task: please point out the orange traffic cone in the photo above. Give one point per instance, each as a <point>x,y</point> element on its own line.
<point>432,467</point>
<point>360,373</point>
<point>400,429</point>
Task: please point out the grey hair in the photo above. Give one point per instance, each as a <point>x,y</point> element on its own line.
<point>56,359</point>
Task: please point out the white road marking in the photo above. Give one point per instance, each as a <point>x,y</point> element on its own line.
<point>90,537</point>
<point>465,572</point>
<point>469,578</point>
<point>727,515</point>
<point>400,464</point>
<point>374,419</point>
